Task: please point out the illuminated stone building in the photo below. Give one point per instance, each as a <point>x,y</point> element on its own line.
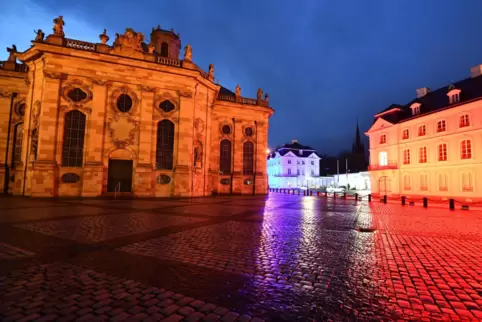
<point>432,146</point>
<point>93,119</point>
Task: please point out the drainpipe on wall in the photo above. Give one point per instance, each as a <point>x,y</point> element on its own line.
<point>233,155</point>
<point>255,156</point>
<point>7,168</point>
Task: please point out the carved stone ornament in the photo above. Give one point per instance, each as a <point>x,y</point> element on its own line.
<point>145,88</point>
<point>99,81</point>
<point>37,106</point>
<point>55,75</point>
<point>238,90</point>
<point>248,130</point>
<point>80,107</point>
<point>4,94</point>
<point>226,129</point>
<point>72,85</point>
<point>12,57</point>
<point>39,35</point>
<point>188,53</point>
<point>123,90</point>
<point>129,44</point>
<point>122,131</point>
<point>199,125</point>
<point>27,80</point>
<point>103,37</point>
<point>185,93</point>
<point>159,113</point>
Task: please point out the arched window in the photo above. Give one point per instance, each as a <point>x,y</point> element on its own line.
<point>248,158</point>
<point>17,144</point>
<point>165,145</point>
<point>225,157</point>
<point>73,143</point>
<point>164,49</point>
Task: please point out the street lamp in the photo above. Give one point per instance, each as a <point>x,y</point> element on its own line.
<point>268,151</point>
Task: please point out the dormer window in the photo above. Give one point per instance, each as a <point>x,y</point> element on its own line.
<point>301,152</point>
<point>454,95</point>
<point>383,139</point>
<point>464,120</point>
<point>405,134</point>
<point>415,108</point>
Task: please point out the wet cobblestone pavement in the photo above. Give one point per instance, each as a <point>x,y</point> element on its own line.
<point>274,258</point>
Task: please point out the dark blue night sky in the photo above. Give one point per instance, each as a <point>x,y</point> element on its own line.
<point>323,62</point>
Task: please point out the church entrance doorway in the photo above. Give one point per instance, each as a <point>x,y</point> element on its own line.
<point>120,176</point>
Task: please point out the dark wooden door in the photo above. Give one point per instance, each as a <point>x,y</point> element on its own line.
<point>120,175</point>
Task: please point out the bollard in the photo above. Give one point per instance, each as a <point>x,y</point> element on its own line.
<point>298,192</point>
<point>425,202</point>
<point>356,197</point>
<point>326,194</point>
<point>318,193</point>
<point>451,204</point>
<point>344,195</point>
<point>334,195</point>
<point>385,199</point>
<point>311,192</point>
<point>403,200</point>
<point>369,198</point>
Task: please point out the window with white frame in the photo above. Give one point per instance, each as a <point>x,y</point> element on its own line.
<point>383,158</point>
<point>415,109</point>
<point>422,155</point>
<point>454,97</point>
<point>423,182</point>
<point>406,156</point>
<point>467,182</point>
<point>405,134</point>
<point>466,149</point>
<point>422,130</point>
<point>442,152</point>
<point>441,126</point>
<point>443,182</point>
<point>464,120</point>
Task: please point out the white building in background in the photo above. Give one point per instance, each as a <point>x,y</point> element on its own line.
<point>353,181</point>
<point>295,166</point>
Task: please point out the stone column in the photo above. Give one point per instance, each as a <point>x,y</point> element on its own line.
<point>261,179</point>
<point>237,157</point>
<point>144,170</point>
<point>5,99</point>
<point>45,169</point>
<point>183,145</point>
<point>93,167</point>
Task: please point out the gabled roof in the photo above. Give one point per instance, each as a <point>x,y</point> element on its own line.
<point>295,148</point>
<point>434,101</point>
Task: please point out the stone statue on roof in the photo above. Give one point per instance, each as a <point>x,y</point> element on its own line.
<point>259,94</point>
<point>238,90</point>
<point>12,53</point>
<point>59,26</point>
<point>188,53</point>
<point>39,35</point>
<point>266,98</point>
<point>211,71</point>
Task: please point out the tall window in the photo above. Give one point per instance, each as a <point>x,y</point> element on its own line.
<point>17,144</point>
<point>406,182</point>
<point>406,156</point>
<point>73,144</point>
<point>464,120</point>
<point>164,49</point>
<point>422,130</point>
<point>442,152</point>
<point>466,149</point>
<point>423,182</point>
<point>165,145</point>
<point>405,134</point>
<point>454,98</point>
<point>298,171</point>
<point>383,158</point>
<point>225,156</point>
<point>422,155</point>
<point>467,182</point>
<point>289,161</point>
<point>383,139</point>
<point>248,158</point>
<point>289,171</point>
<point>443,182</point>
<point>441,127</point>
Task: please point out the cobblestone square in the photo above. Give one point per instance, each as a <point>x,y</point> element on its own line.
<point>273,258</point>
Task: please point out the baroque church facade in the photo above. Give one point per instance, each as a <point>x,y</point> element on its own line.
<point>93,119</point>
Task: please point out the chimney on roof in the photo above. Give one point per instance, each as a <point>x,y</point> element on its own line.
<point>294,141</point>
<point>476,71</point>
<point>421,92</point>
